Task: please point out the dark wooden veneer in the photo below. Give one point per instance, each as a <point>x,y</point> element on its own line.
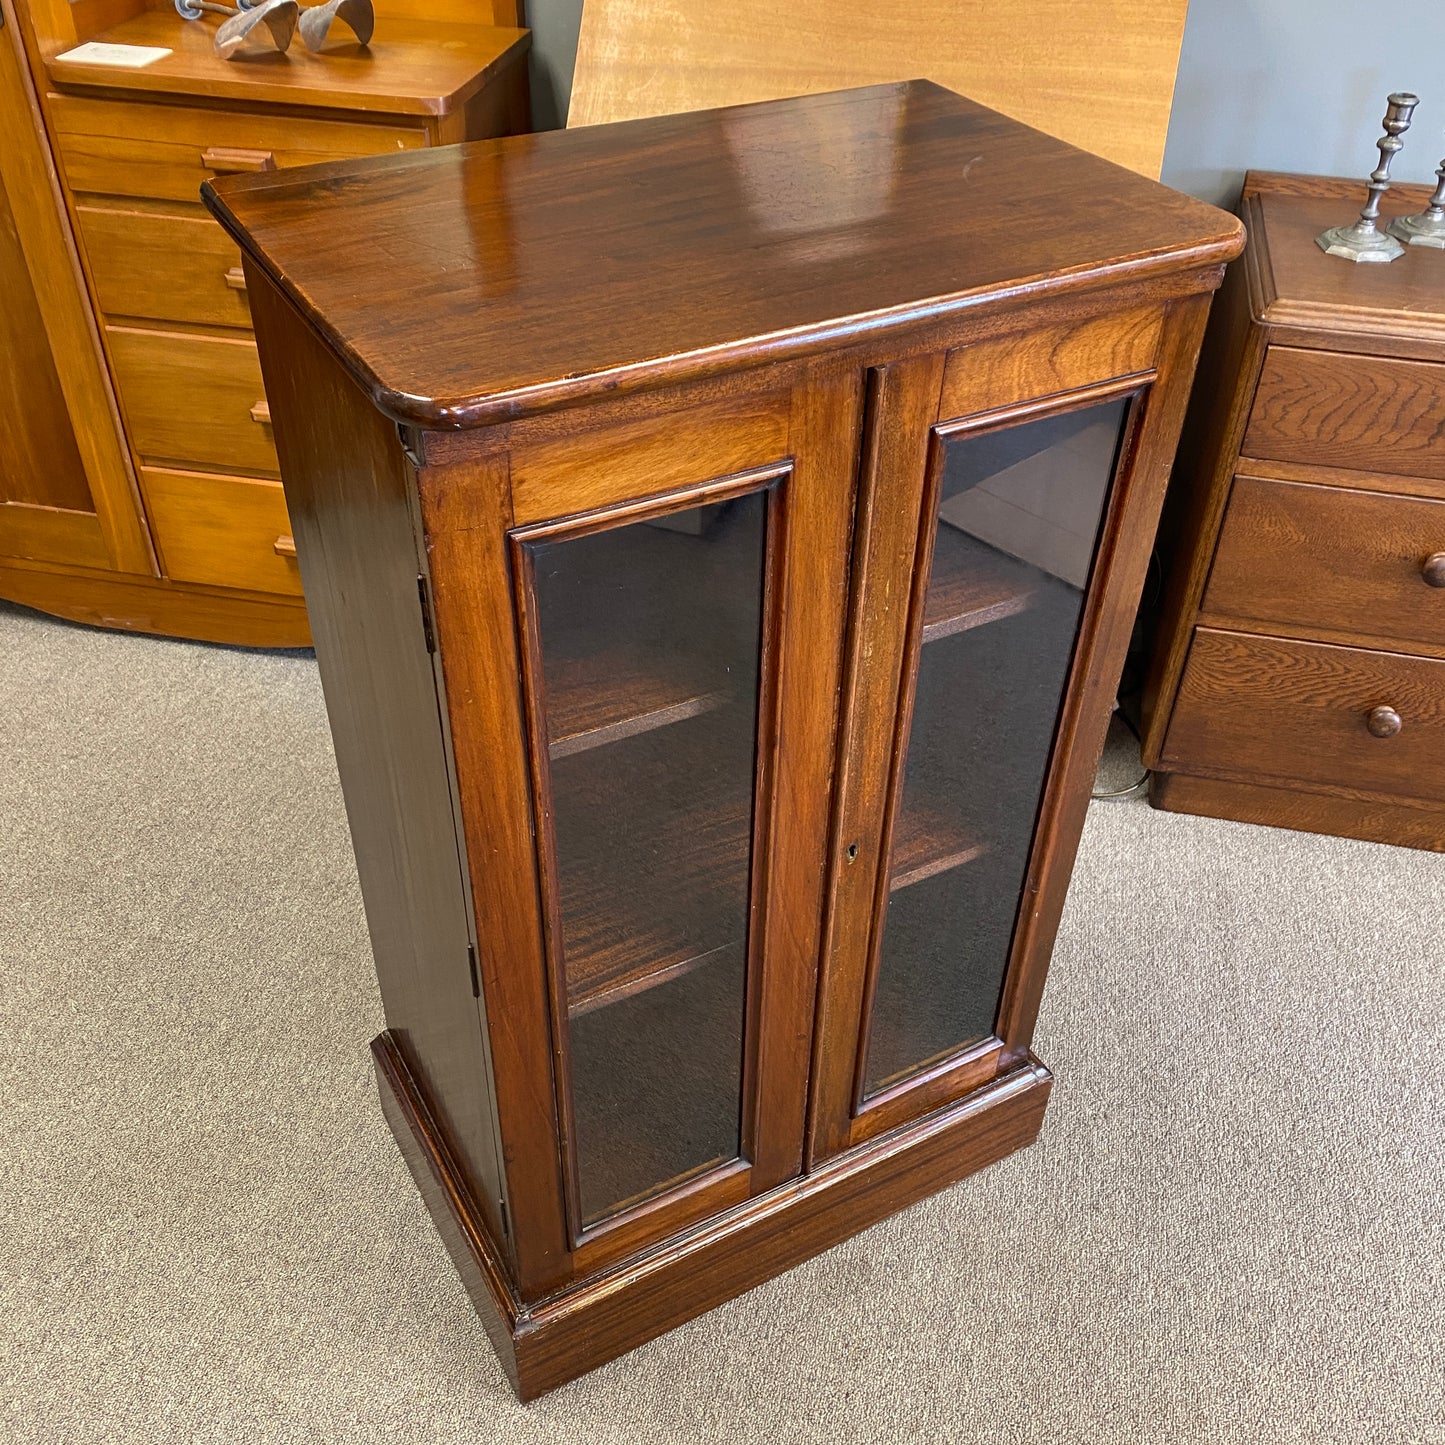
<point>492,365</point>
<point>542,271</point>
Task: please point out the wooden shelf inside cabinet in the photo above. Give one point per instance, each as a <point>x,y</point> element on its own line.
<point>971,584</point>
<point>645,904</point>
<point>927,842</point>
<point>596,698</point>
<point>632,637</point>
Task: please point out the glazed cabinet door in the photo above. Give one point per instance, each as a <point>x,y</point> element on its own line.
<point>669,642</point>
<point>1009,497</point>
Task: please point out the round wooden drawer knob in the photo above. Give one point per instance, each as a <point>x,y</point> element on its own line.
<point>1432,569</point>
<point>1383,722</point>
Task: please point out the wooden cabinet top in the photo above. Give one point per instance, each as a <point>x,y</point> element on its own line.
<point>476,283</point>
<point>1293,284</point>
<point>410,68</point>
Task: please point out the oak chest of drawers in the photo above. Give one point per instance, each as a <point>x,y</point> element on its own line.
<point>1298,675</point>
<point>133,147</point>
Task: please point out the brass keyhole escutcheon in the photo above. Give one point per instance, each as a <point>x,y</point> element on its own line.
<point>1383,721</point>
<point>852,852</point>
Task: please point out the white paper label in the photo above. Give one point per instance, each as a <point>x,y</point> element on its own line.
<point>95,52</point>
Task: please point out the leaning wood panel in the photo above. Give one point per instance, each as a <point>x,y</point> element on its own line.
<point>1098,76</point>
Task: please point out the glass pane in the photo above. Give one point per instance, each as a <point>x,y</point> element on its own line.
<point>650,638</point>
<point>1018,516</point>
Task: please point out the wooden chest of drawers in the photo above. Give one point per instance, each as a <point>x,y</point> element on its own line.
<point>1298,674</point>
<point>133,147</point>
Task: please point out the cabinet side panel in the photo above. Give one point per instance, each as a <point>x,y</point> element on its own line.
<point>347,483</point>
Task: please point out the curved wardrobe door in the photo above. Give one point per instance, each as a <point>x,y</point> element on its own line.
<point>66,493</point>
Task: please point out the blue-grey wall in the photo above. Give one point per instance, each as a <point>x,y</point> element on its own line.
<point>1294,85</point>
<point>554,24</point>
<point>1300,85</point>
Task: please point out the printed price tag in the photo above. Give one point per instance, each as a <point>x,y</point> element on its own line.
<point>95,52</point>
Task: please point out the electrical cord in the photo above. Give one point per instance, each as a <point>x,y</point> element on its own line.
<point>1143,779</point>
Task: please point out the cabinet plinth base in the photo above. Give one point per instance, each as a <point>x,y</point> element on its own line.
<point>546,1344</point>
<point>1405,822</point>
<point>158,606</point>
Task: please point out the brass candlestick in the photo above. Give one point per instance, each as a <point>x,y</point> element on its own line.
<point>1427,228</point>
<point>1365,241</point>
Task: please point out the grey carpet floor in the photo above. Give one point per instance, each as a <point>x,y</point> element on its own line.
<point>1230,1230</point>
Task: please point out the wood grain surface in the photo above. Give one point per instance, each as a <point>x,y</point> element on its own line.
<point>1299,288</point>
<point>1099,76</point>
<point>164,152</point>
<point>1328,408</point>
<point>1280,710</point>
<point>411,67</point>
<point>69,588</point>
<point>221,530</point>
<point>1405,822</point>
<point>63,446</point>
<point>162,265</point>
<point>347,494</point>
<point>188,399</point>
<point>1293,556</point>
<point>1012,369</point>
<point>531,272</point>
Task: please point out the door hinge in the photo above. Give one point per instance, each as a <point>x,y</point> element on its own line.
<point>428,631</point>
<point>472,968</point>
<point>411,444</point>
<point>506,1222</point>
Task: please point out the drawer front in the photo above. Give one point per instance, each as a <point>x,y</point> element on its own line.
<point>1366,413</point>
<point>1298,712</point>
<point>160,266</point>
<point>193,400</point>
<point>223,531</point>
<point>1295,555</point>
<point>120,148</point>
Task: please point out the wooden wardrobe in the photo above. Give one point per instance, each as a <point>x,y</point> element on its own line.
<point>140,485</point>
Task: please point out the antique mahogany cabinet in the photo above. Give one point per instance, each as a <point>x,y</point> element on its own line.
<point>1298,675</point>
<point>722,533</point>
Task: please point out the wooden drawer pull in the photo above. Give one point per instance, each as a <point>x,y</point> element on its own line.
<point>261,412</point>
<point>1383,722</point>
<point>228,160</point>
<point>236,279</point>
<point>285,546</point>
<point>1432,569</point>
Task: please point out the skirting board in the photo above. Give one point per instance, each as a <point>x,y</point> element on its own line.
<point>549,1343</point>
<point>1406,822</point>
